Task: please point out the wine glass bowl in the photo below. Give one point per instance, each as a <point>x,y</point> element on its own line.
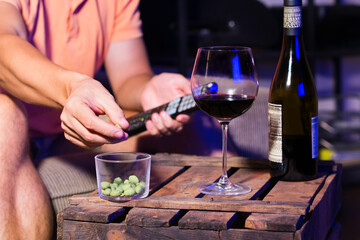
<point>224,85</point>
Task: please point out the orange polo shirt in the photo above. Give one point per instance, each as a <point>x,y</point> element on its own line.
<point>74,34</point>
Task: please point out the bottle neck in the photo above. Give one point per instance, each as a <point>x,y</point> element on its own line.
<point>292,21</point>
<point>292,25</point>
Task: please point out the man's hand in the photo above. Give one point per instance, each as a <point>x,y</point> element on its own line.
<point>80,121</point>
<point>161,89</point>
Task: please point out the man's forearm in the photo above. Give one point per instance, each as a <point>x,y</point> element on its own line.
<point>30,76</point>
<point>135,85</point>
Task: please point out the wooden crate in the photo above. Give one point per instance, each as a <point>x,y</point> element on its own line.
<point>176,210</point>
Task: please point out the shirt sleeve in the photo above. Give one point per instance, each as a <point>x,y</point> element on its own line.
<point>127,21</point>
<point>13,2</point>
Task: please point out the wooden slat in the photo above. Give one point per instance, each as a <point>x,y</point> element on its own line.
<point>189,234</point>
<point>274,222</point>
<point>165,159</point>
<point>184,185</point>
<point>205,204</point>
<point>89,231</point>
<point>177,211</point>
<point>187,183</point>
<point>59,226</point>
<point>289,192</point>
<point>248,234</point>
<point>148,217</point>
<point>207,220</point>
<point>76,230</point>
<point>106,213</point>
<point>295,191</point>
<point>221,220</point>
<point>92,213</point>
<point>324,209</point>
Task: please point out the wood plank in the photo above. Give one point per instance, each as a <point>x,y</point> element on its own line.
<point>295,191</point>
<point>166,159</point>
<point>221,220</point>
<point>290,191</point>
<point>207,220</point>
<point>248,234</point>
<point>159,175</point>
<point>324,209</point>
<point>304,192</point>
<point>147,217</point>
<point>212,204</point>
<point>90,231</point>
<point>184,185</point>
<point>149,233</point>
<point>187,183</point>
<point>75,230</point>
<point>176,233</point>
<point>82,211</point>
<point>162,215</point>
<point>59,226</point>
<point>274,222</point>
<point>92,213</point>
<point>255,179</point>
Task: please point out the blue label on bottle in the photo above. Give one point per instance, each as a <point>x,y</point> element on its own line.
<point>315,136</point>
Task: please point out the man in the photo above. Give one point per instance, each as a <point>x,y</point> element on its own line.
<point>49,53</point>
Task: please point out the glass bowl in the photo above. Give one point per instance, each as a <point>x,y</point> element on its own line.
<point>123,175</point>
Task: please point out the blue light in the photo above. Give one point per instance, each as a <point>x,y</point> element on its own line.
<point>236,69</point>
<point>301,90</point>
<point>297,49</point>
<point>213,88</point>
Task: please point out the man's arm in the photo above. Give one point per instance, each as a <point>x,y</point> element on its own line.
<point>129,71</point>
<point>23,69</point>
<point>28,75</point>
<point>137,88</point>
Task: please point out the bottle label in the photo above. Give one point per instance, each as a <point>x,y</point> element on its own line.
<point>315,137</point>
<point>292,20</point>
<point>292,17</point>
<point>275,132</point>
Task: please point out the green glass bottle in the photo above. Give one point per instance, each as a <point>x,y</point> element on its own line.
<point>293,106</point>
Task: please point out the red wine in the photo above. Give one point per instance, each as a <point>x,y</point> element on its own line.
<point>224,106</point>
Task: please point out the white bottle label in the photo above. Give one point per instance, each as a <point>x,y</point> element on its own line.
<point>275,132</point>
<point>292,17</point>
<point>315,137</point>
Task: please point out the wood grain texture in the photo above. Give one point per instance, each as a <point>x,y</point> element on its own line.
<point>175,209</point>
<point>165,159</point>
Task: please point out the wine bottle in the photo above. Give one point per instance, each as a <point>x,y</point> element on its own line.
<point>293,106</point>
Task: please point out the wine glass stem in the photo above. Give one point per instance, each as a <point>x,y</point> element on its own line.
<point>224,177</point>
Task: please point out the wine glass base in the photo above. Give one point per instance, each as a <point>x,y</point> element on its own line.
<point>230,189</point>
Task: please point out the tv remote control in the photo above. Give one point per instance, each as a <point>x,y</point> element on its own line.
<point>185,104</point>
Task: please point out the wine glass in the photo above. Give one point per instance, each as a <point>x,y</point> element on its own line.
<point>224,85</point>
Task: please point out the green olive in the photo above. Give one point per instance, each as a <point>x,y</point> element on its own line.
<point>115,193</point>
<point>118,180</point>
<point>113,186</point>
<point>134,179</point>
<point>105,185</point>
<point>142,183</point>
<point>129,192</point>
<point>138,189</point>
<point>106,191</point>
<point>126,186</point>
<point>120,189</point>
